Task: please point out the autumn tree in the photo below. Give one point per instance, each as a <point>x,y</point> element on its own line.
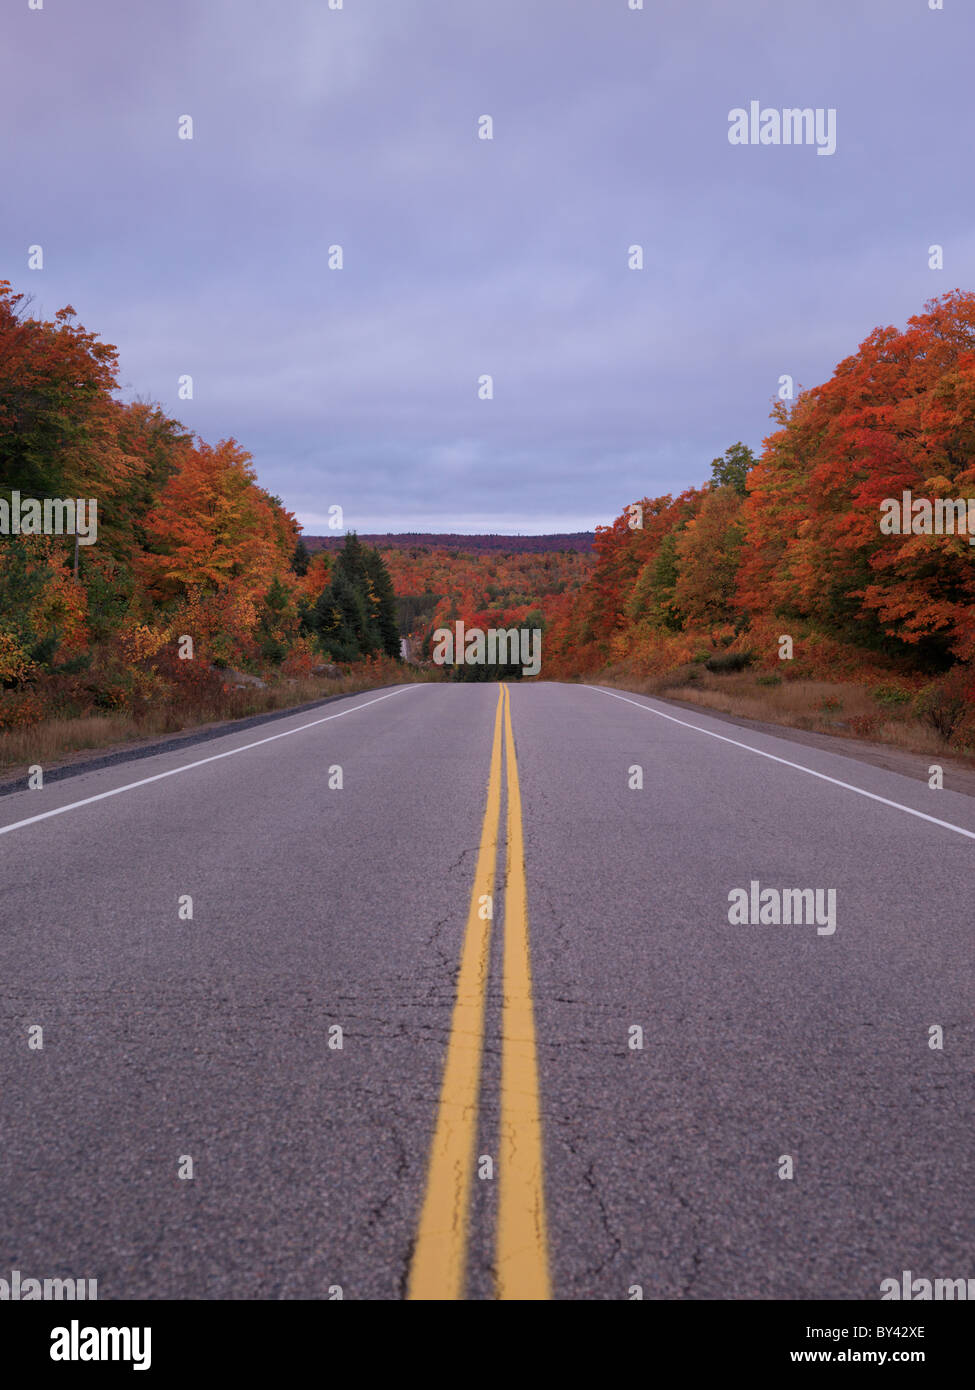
<point>58,420</point>
<point>212,525</point>
<point>706,554</point>
<point>897,415</point>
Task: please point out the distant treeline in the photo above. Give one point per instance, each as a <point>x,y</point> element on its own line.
<point>580,541</point>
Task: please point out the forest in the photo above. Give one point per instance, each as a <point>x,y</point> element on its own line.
<point>779,564</point>
<point>197,594</point>
<point>514,589</point>
<point>200,598</point>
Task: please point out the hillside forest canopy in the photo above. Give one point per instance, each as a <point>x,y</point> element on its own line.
<point>784,542</point>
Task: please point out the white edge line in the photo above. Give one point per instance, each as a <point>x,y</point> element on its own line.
<point>215,757</point>
<point>947,825</point>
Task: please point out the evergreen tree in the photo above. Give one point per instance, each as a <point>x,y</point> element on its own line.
<point>355,614</point>
<point>383,601</point>
<point>732,469</point>
<point>277,624</point>
<point>350,560</point>
<point>300,559</point>
<point>341,620</point>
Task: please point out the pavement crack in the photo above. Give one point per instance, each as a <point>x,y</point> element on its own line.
<point>592,1183</point>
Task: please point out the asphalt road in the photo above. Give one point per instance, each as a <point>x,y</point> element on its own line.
<point>364,1167</point>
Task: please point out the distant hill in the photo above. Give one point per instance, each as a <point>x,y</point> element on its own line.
<point>580,541</point>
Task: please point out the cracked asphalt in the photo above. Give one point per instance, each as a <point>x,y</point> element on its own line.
<point>209,1038</point>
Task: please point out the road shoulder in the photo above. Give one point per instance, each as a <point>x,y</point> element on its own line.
<point>959,777</point>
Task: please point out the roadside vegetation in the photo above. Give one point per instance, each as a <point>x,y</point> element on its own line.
<point>191,598</point>
<point>57,740</point>
<point>886,714</point>
<point>772,592</point>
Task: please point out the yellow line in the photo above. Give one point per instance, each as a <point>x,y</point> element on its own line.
<point>522,1245</point>
<point>438,1267</point>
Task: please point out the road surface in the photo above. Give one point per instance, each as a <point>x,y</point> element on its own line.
<point>490,917</point>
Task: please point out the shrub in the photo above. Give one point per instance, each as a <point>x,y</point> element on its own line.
<point>865,725</point>
<point>15,664</point>
<point>722,662</point>
<point>891,695</point>
<point>677,676</point>
<point>19,709</point>
<point>943,704</point>
<point>768,680</point>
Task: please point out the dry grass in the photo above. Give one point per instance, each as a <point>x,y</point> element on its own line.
<point>56,740</point>
<point>842,709</point>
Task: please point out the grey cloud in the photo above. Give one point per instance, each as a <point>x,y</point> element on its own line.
<point>358,127</point>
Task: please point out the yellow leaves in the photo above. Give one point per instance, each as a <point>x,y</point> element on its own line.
<point>707,558</point>
<point>142,642</point>
<point>35,573</point>
<point>15,665</point>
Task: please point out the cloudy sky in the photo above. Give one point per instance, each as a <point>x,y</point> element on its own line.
<point>358,127</point>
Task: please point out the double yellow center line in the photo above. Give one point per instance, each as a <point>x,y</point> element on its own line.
<point>440,1256</point>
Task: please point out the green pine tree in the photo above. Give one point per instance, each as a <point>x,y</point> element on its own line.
<point>301,558</point>
<point>384,602</point>
<point>341,621</point>
<point>277,623</point>
<point>732,469</point>
<point>350,560</point>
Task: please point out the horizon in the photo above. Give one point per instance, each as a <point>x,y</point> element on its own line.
<point>505,535</point>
